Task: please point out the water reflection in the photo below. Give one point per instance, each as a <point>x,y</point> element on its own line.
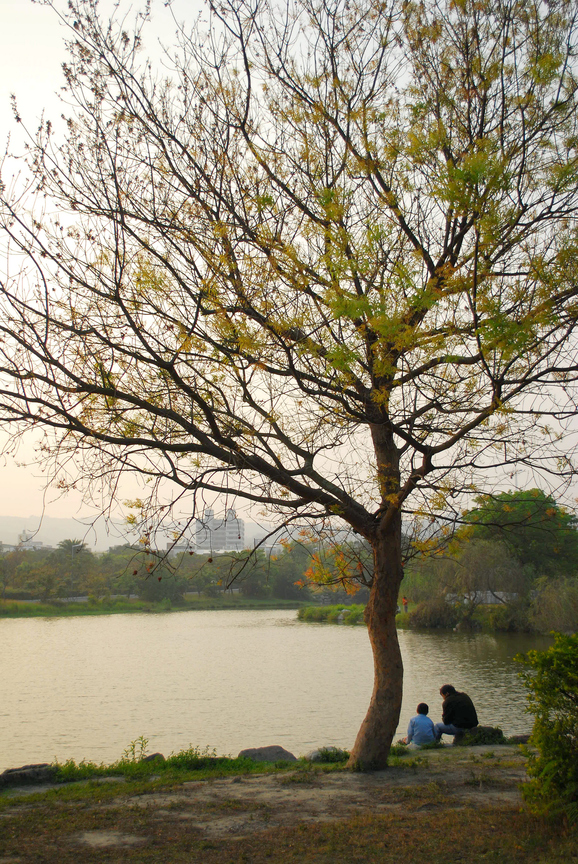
<point>480,664</point>
<point>85,687</point>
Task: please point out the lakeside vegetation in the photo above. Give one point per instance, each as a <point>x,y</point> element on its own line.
<point>339,614</point>
<point>512,566</point>
<point>486,619</point>
<point>122,606</point>
<point>71,580</point>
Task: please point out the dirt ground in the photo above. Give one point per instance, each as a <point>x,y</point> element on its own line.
<point>239,807</point>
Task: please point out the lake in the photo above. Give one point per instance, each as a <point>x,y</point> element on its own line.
<point>84,688</point>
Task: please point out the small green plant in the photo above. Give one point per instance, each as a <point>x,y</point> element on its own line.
<point>195,759</point>
<point>551,678</point>
<point>305,775</point>
<point>398,750</point>
<point>404,760</point>
<point>433,745</point>
<point>136,750</point>
<point>333,754</point>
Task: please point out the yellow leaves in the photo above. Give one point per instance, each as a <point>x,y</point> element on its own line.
<point>546,67</point>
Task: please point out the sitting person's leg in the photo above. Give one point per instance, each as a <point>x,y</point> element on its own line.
<point>445,729</point>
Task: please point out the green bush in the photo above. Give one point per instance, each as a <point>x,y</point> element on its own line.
<point>333,754</point>
<point>434,613</point>
<point>551,678</point>
<point>505,618</point>
<point>332,614</point>
<point>313,613</point>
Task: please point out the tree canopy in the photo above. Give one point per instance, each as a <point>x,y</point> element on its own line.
<point>323,259</point>
<point>538,532</point>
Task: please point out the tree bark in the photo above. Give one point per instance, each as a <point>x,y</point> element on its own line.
<point>374,738</point>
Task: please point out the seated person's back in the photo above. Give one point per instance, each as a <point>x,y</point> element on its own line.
<point>421,729</point>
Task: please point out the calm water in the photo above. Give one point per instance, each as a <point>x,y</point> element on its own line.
<point>86,687</point>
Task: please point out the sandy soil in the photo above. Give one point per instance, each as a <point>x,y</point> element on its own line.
<point>450,778</point>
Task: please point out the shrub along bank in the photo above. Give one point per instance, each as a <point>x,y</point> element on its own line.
<point>443,615</point>
<point>338,614</point>
<point>551,678</point>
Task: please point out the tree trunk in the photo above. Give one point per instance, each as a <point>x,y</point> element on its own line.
<point>374,738</point>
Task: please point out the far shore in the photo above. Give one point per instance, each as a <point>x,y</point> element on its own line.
<point>122,605</point>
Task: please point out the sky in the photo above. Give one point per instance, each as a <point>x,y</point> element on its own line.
<point>31,56</point>
<point>31,51</point>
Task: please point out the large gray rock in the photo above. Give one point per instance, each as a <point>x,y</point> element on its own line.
<point>39,773</point>
<point>275,753</point>
<point>519,739</point>
<point>153,758</point>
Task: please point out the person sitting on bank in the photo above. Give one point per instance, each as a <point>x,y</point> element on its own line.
<point>458,712</point>
<point>421,730</point>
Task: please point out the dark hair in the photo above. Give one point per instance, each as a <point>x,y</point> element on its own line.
<point>422,708</point>
<point>447,689</point>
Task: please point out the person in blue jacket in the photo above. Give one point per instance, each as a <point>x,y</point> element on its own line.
<point>421,729</point>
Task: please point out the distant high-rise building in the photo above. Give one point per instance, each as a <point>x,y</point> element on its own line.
<point>220,535</point>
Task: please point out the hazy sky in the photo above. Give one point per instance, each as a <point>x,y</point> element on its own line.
<point>31,54</point>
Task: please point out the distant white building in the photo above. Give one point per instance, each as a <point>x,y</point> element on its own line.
<point>25,541</point>
<point>220,535</point>
<point>179,548</point>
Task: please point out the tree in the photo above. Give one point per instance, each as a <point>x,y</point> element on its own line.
<point>286,572</point>
<point>540,534</point>
<point>325,260</point>
<point>163,585</point>
<point>74,562</point>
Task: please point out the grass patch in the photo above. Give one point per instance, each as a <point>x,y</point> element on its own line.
<point>352,614</point>
<point>134,766</point>
<point>58,609</point>
<point>503,835</point>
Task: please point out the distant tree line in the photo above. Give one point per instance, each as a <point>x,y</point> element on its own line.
<point>72,570</point>
<point>512,565</point>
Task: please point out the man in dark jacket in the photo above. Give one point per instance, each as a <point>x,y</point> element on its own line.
<point>458,712</point>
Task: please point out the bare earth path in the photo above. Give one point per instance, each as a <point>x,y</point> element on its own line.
<point>204,814</point>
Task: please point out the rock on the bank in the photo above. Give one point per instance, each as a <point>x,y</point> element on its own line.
<point>39,773</point>
<point>275,753</point>
<point>479,735</point>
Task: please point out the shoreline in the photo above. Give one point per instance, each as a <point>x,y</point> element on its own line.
<point>60,609</point>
